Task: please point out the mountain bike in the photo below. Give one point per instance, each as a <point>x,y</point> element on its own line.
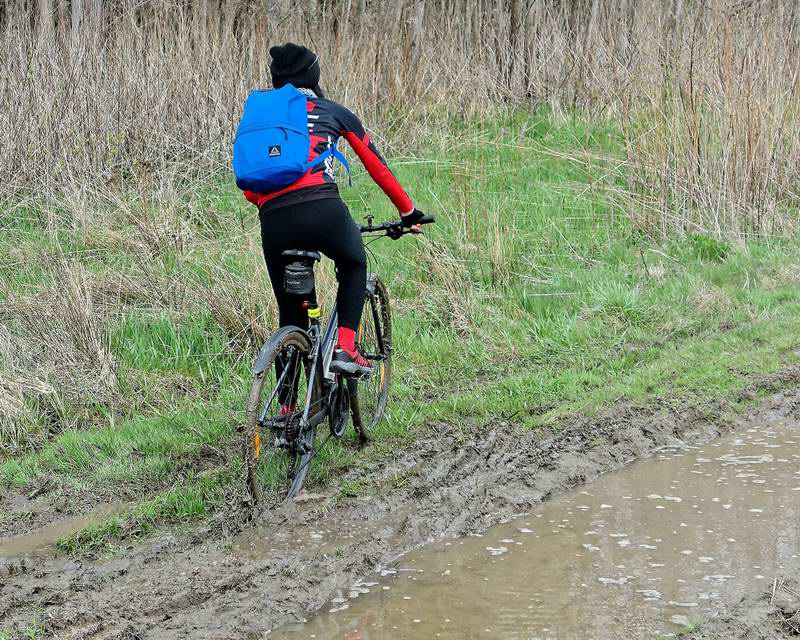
<point>294,392</point>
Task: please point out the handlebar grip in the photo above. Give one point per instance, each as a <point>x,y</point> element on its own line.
<point>394,224</point>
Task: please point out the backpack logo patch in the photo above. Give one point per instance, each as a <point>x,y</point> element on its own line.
<point>274,150</point>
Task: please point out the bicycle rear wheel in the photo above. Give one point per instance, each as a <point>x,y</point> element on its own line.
<point>368,396</point>
<point>277,451</point>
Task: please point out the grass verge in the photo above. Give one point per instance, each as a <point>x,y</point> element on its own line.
<point>534,297</point>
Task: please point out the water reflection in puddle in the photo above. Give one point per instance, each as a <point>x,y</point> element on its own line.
<point>635,554</point>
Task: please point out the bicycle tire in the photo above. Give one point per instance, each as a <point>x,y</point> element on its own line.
<point>369,397</point>
<point>259,439</point>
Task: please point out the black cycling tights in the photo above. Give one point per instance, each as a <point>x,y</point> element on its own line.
<point>324,226</point>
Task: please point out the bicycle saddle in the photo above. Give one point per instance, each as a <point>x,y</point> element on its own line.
<point>296,253</point>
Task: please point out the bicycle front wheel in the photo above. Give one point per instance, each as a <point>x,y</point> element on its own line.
<point>277,448</point>
<point>368,396</point>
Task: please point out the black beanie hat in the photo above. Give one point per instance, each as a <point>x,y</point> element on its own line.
<point>295,64</point>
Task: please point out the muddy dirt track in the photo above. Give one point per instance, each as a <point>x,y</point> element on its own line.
<point>451,482</point>
<point>772,614</point>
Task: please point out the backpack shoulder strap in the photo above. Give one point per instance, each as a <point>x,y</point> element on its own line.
<point>332,151</point>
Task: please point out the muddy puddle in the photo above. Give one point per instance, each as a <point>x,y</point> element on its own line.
<point>261,543</point>
<point>42,542</point>
<point>636,554</point>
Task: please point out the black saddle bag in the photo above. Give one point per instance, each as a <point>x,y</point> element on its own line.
<point>298,278</point>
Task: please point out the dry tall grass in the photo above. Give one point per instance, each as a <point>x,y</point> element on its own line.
<point>111,112</point>
<point>56,352</point>
<point>93,94</point>
<point>57,371</point>
<point>715,146</point>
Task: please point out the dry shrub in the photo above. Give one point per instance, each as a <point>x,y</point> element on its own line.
<point>716,147</point>
<point>241,305</point>
<point>245,307</point>
<point>66,334</point>
<point>710,298</point>
<point>18,385</point>
<point>146,223</point>
<point>159,229</point>
<point>147,284</point>
<point>500,238</point>
<point>785,275</point>
<point>153,90</point>
<point>242,301</point>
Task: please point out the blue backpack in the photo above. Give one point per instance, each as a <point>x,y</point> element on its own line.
<point>272,144</point>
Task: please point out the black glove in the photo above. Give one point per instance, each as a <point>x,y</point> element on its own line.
<point>410,219</point>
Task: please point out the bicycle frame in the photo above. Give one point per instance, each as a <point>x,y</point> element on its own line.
<point>321,355</point>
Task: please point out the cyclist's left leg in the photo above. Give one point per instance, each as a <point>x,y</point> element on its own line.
<point>290,310</point>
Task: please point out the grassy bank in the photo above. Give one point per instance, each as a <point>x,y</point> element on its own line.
<point>533,297</point>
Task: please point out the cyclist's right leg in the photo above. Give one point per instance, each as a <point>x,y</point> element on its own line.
<point>350,258</point>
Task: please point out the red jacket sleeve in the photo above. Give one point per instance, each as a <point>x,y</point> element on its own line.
<point>353,131</point>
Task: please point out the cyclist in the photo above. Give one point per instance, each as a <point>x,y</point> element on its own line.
<point>309,214</point>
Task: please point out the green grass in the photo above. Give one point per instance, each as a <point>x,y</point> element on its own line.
<point>159,344</point>
<point>685,632</point>
<point>132,455</point>
<point>33,631</point>
<point>533,296</point>
<point>197,498</point>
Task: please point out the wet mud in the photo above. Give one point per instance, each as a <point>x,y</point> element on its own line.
<point>293,559</point>
<point>43,541</point>
<point>45,505</point>
<point>766,615</point>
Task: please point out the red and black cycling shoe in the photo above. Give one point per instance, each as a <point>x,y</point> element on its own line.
<point>350,364</point>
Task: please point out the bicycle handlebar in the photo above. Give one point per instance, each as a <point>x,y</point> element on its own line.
<point>394,224</point>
